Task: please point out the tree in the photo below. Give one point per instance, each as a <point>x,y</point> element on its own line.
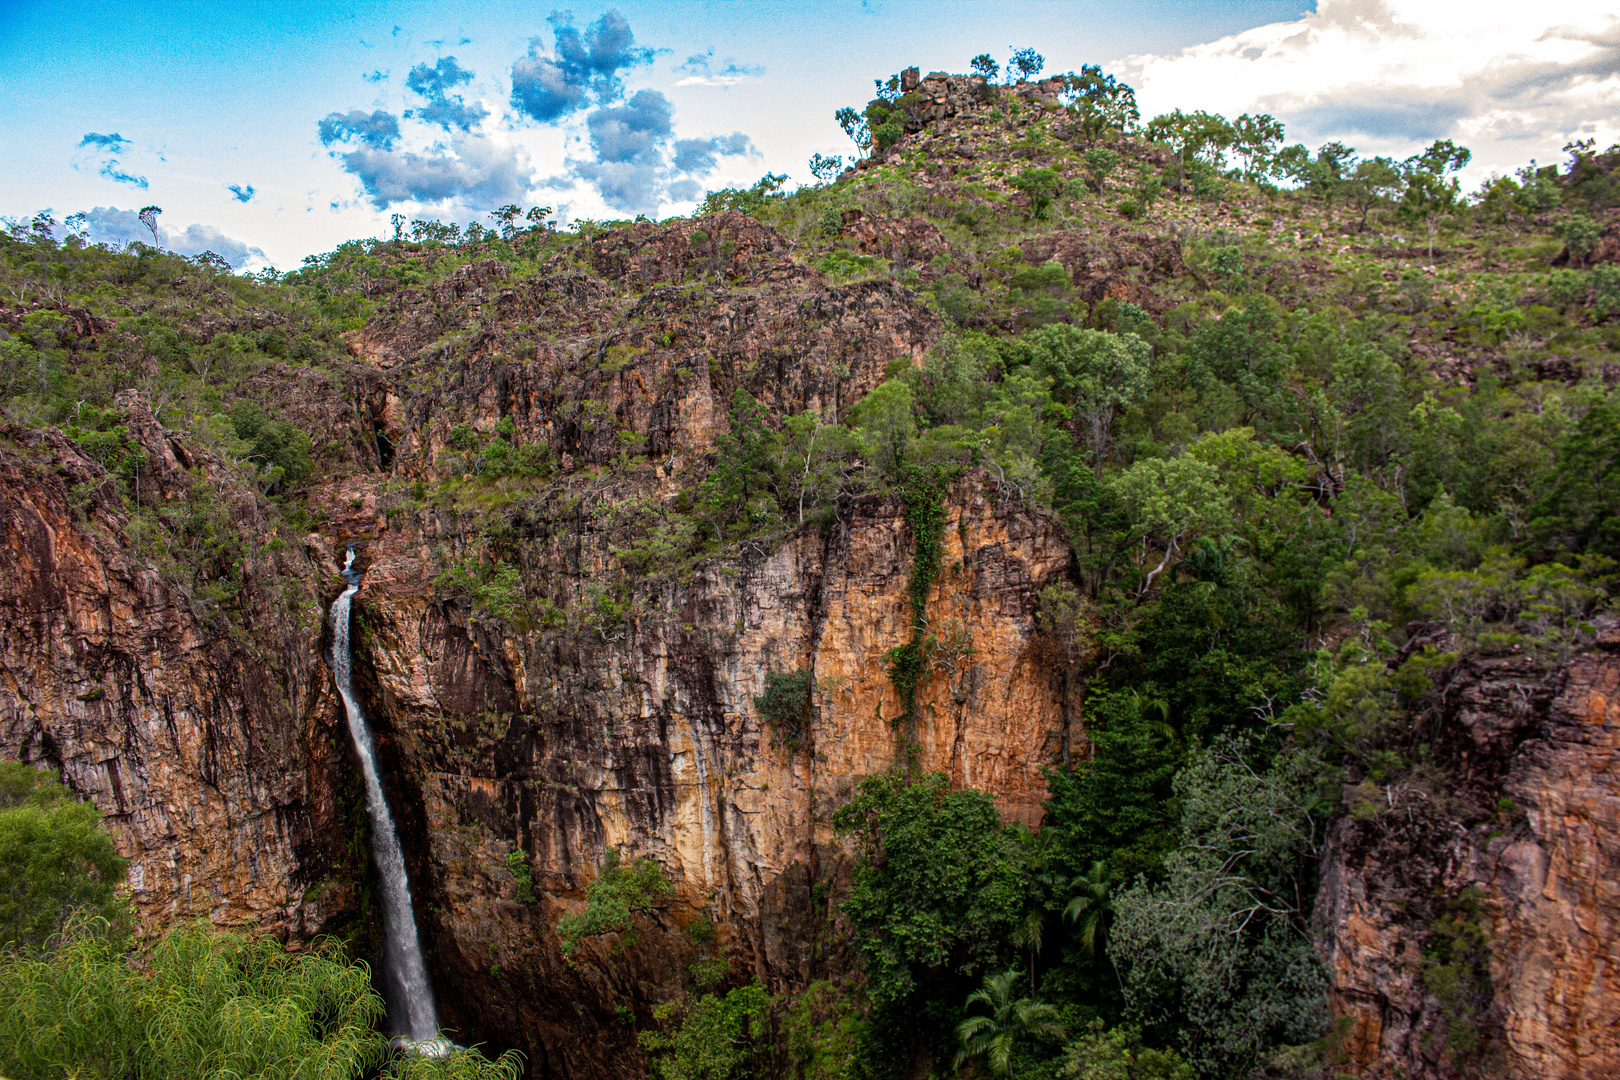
<point>149,216</point>
<point>1220,953</point>
<point>1255,139</point>
<point>1431,193</point>
<point>204,1003</point>
<point>1101,163</point>
<point>1199,141</point>
<point>826,169</point>
<point>56,861</point>
<point>281,449</point>
<point>1118,1054</point>
<point>1027,63</point>
<point>1372,181</point>
<point>939,882</point>
<point>621,891</point>
<point>1040,184</point>
<point>1170,500</point>
<point>1090,908</point>
<point>713,1038</point>
<point>1581,236</point>
<point>1580,510</point>
<point>1095,372</point>
<point>1098,103</point>
<point>1323,175</point>
<point>887,421</point>
<point>984,64</point>
<point>854,125</point>
<point>1007,1022</point>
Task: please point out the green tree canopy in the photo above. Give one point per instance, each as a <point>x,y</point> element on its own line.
<point>56,861</point>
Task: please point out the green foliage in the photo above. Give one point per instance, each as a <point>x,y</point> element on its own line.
<point>200,1002</point>
<point>620,892</point>
<point>1041,185</point>
<point>938,884</point>
<point>1580,235</point>
<point>518,864</point>
<point>1099,105</point>
<point>712,1038</point>
<point>1580,509</point>
<point>1220,953</point>
<point>1100,165</point>
<point>57,865</point>
<point>785,705</point>
<point>1096,373</point>
<point>492,587</point>
<point>1118,1054</point>
<point>1457,973</point>
<point>1007,1021</point>
<point>752,201</point>
<point>280,449</point>
<point>106,441</point>
<point>821,1033</point>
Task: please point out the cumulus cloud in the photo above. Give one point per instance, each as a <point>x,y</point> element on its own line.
<point>638,167</point>
<point>241,193</point>
<point>113,143</point>
<point>116,228</point>
<point>479,171</point>
<point>584,67</point>
<point>434,83</point>
<point>376,76</point>
<point>699,155</point>
<point>1509,80</point>
<point>635,161</point>
<point>377,129</point>
<point>700,70</point>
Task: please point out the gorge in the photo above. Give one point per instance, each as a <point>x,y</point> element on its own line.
<point>1127,580</point>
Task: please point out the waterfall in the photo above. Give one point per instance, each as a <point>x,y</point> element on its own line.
<point>403,965</point>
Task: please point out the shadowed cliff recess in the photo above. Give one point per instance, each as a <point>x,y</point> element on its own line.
<point>1063,595</point>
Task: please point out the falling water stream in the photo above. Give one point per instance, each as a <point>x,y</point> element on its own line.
<point>415,1020</point>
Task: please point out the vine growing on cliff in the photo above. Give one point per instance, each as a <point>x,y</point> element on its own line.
<point>923,492</point>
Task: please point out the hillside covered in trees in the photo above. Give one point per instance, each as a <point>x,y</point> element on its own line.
<point>1276,488</point>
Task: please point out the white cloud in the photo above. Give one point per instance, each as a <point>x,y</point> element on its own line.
<point>714,80</point>
<point>1512,81</point>
<point>115,227</point>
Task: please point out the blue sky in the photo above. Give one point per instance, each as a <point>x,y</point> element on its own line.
<point>271,131</point>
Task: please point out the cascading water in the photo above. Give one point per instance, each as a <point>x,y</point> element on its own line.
<point>417,1022</point>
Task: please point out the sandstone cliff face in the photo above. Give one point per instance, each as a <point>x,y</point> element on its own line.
<point>188,729</point>
<point>1531,823</point>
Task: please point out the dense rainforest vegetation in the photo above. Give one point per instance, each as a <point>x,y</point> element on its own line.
<point>1336,406</point>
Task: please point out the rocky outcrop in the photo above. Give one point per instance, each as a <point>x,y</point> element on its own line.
<point>1512,847</point>
<point>180,719</point>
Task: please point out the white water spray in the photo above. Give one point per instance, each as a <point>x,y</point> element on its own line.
<point>418,1027</point>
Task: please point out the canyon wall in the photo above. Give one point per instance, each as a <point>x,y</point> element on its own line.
<point>1470,919</point>
<point>216,745</point>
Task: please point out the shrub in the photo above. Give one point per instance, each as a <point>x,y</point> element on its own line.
<point>621,891</point>
<point>785,705</point>
<point>56,862</point>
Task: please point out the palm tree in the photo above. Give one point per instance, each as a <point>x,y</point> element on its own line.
<point>1027,935</point>
<point>1090,907</point>
<point>1009,1021</point>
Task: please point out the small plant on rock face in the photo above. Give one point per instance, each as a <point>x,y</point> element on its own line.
<point>621,891</point>
<point>785,705</point>
<point>521,877</point>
